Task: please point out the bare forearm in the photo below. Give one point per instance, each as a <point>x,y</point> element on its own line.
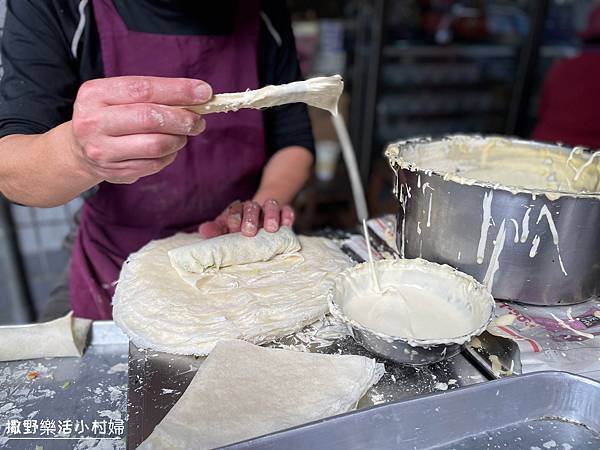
<point>39,170</point>
<point>284,175</point>
<point>123,129</point>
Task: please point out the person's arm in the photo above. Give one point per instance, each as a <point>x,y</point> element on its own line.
<point>290,144</point>
<point>284,176</point>
<point>121,131</point>
<point>37,91</point>
<point>289,140</point>
<point>36,170</point>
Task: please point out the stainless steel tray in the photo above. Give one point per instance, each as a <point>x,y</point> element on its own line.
<point>544,410</point>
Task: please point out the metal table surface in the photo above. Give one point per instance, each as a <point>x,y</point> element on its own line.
<point>87,390</point>
<point>157,380</point>
<point>95,387</point>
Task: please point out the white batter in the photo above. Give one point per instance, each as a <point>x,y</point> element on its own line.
<point>420,300</point>
<point>426,313</point>
<point>509,165</point>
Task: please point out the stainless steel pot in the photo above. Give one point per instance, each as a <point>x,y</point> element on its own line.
<point>444,221</point>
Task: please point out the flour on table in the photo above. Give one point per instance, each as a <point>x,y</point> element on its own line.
<point>120,367</point>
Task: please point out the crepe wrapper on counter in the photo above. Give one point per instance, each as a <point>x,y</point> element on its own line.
<point>243,391</point>
<point>58,338</point>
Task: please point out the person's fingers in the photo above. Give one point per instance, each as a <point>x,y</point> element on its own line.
<point>134,147</point>
<point>120,120</point>
<point>142,89</point>
<point>234,216</point>
<point>250,218</point>
<point>271,215</point>
<point>211,229</point>
<point>287,216</point>
<point>221,219</point>
<point>248,213</point>
<point>134,169</point>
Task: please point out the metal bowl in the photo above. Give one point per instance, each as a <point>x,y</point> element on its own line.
<point>406,350</point>
<point>401,352</point>
<point>443,220</point>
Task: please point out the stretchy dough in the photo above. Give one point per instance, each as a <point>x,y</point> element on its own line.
<point>257,302</point>
<point>58,338</point>
<point>243,391</point>
<point>321,92</point>
<point>230,250</point>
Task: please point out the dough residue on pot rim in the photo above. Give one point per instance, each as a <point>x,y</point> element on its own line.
<point>501,163</point>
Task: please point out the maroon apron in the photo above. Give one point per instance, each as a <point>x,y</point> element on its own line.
<point>221,165</point>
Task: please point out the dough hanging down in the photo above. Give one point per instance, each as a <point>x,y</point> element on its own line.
<point>230,250</point>
<point>243,391</point>
<point>257,302</point>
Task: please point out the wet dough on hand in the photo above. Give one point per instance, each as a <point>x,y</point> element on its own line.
<point>320,92</point>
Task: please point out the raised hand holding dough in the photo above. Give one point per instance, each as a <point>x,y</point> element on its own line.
<point>243,391</point>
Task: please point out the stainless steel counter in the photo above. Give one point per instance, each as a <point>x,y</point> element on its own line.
<point>157,380</point>
<point>43,395</point>
<point>95,387</point>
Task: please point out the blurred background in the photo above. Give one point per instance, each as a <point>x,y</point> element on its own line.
<point>411,68</point>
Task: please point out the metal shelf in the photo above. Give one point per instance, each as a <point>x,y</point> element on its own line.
<point>450,51</point>
<point>416,50</point>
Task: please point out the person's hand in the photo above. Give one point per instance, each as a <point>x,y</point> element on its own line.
<point>123,129</point>
<point>248,217</point>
